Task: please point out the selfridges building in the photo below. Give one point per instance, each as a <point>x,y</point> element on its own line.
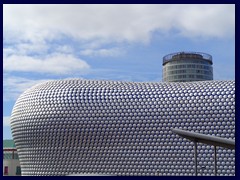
<point>122,128</point>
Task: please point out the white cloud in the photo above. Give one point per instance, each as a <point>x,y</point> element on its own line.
<point>28,48</point>
<point>13,86</point>
<point>6,120</point>
<point>8,51</point>
<point>65,49</point>
<point>54,64</point>
<point>112,52</point>
<point>132,22</point>
<point>23,48</point>
<point>207,21</point>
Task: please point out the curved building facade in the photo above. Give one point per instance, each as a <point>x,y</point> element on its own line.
<point>122,128</point>
<point>187,66</point>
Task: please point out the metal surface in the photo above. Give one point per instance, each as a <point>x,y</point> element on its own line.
<point>122,128</point>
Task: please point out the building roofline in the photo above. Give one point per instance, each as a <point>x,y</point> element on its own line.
<point>204,56</point>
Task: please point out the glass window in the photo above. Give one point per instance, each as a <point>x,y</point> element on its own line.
<point>16,156</point>
<point>18,170</point>
<point>5,170</point>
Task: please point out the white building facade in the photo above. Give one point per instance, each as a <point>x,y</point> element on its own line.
<point>11,164</point>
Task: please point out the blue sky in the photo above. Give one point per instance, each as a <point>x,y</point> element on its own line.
<point>108,42</point>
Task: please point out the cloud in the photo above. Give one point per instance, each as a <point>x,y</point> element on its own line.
<point>30,48</point>
<point>6,120</point>
<point>53,64</point>
<point>112,52</point>
<point>121,22</point>
<point>65,49</point>
<point>13,86</point>
<point>8,51</point>
<point>207,21</point>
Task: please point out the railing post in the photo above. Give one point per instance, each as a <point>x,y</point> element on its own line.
<point>215,160</point>
<point>206,139</point>
<point>195,157</point>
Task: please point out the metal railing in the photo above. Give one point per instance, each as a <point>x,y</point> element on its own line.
<point>206,139</point>
<point>184,55</point>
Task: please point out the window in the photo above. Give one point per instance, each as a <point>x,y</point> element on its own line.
<point>180,77</point>
<point>18,170</point>
<point>199,76</point>
<point>16,156</point>
<point>5,170</point>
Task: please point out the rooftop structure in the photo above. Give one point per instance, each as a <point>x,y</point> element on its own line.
<point>187,66</point>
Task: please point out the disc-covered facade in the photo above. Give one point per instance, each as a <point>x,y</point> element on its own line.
<point>122,128</point>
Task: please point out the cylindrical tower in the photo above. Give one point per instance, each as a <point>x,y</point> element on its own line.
<point>187,66</point>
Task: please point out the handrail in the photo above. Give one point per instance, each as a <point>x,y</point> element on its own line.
<point>206,139</point>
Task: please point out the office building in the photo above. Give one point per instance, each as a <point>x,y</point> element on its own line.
<point>11,164</point>
<point>187,66</point>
